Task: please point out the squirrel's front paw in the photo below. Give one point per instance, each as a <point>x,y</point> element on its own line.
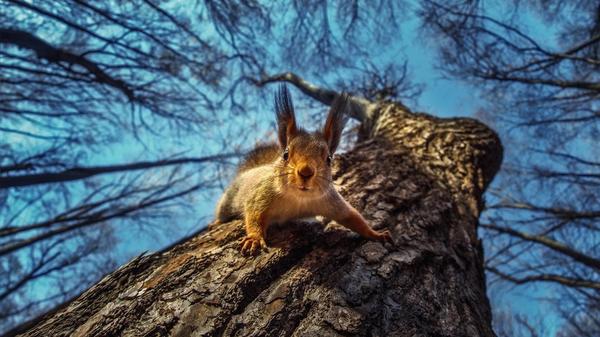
<point>251,245</point>
<point>384,236</point>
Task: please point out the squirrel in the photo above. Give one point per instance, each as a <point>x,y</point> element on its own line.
<point>290,180</point>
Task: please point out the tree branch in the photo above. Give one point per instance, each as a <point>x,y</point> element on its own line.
<point>77,173</point>
<point>94,219</point>
<point>358,107</point>
<point>552,244</point>
<point>563,84</point>
<point>27,277</point>
<point>52,54</point>
<point>567,281</point>
<point>561,213</point>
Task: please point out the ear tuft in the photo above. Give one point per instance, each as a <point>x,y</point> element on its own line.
<point>336,120</point>
<point>286,119</point>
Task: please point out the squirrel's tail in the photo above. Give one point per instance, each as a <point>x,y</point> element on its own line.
<point>261,155</point>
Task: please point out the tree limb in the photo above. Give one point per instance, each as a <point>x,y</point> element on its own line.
<point>358,109</point>
<point>99,217</point>
<point>567,281</point>
<point>52,54</point>
<point>561,213</point>
<point>77,173</point>
<point>27,277</point>
<point>552,244</point>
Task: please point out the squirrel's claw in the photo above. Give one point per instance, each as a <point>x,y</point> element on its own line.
<point>385,236</point>
<point>250,246</point>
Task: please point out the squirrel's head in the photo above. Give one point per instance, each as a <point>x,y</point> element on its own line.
<point>305,162</point>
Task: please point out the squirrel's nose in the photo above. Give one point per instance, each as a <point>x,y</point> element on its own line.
<point>306,172</point>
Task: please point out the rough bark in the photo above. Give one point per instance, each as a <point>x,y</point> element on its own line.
<point>421,177</point>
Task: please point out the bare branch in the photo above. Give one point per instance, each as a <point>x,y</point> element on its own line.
<point>52,54</point>
<point>359,107</point>
<point>96,218</point>
<point>566,281</point>
<point>552,244</point>
<point>78,173</point>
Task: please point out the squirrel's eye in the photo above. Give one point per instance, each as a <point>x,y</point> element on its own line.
<point>329,160</point>
<point>286,154</point>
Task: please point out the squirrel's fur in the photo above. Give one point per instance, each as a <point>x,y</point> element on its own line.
<point>277,183</point>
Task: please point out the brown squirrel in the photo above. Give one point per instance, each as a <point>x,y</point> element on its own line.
<point>277,183</point>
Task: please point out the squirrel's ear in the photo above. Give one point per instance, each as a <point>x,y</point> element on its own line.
<point>286,120</point>
<point>336,119</point>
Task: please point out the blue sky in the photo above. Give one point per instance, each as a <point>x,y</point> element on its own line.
<point>441,97</point>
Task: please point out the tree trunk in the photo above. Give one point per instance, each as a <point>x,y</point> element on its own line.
<point>420,176</point>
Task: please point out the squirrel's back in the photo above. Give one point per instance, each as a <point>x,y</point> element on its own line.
<point>261,155</point>
<point>230,205</point>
